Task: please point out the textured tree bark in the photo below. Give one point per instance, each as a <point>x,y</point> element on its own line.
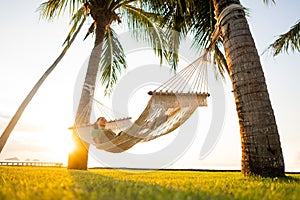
<point>78,159</point>
<point>260,142</point>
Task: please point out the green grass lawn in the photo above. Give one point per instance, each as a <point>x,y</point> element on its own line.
<point>60,183</point>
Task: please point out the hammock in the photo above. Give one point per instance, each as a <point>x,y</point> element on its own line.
<point>170,105</point>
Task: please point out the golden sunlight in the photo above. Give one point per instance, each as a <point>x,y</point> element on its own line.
<point>57,145</point>
<point>66,144</point>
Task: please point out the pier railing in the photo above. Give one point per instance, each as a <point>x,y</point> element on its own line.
<point>31,163</point>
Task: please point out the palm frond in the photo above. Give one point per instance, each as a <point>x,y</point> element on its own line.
<point>117,4</point>
<point>268,1</point>
<point>91,30</point>
<point>109,4</point>
<point>112,61</point>
<point>143,27</point>
<point>203,24</point>
<point>287,41</point>
<point>153,5</point>
<point>219,61</point>
<point>175,30</point>
<point>76,18</point>
<point>172,51</point>
<point>176,20</point>
<point>54,8</point>
<point>161,6</point>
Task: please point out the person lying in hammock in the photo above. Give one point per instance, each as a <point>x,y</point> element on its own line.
<point>100,134</point>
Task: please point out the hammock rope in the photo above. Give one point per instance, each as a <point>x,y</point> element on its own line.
<point>170,105</point>
<point>192,79</point>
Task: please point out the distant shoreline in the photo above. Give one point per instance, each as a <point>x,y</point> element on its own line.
<point>10,163</point>
<point>200,170</point>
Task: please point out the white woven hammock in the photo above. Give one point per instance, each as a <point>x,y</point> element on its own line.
<point>169,106</point>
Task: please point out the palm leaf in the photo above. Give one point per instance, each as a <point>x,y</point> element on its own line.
<point>175,23</point>
<point>114,5</point>
<point>173,48</point>
<point>77,17</point>
<point>112,61</point>
<point>268,1</point>
<point>203,26</point>
<point>219,61</point>
<point>91,30</point>
<point>176,29</point>
<point>54,8</point>
<point>144,28</point>
<point>287,41</point>
<point>203,23</point>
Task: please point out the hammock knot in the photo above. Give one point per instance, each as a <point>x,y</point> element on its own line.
<point>89,88</point>
<point>226,11</point>
<point>216,33</point>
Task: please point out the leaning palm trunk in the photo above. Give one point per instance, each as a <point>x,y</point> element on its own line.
<point>5,135</point>
<point>78,158</point>
<point>261,148</point>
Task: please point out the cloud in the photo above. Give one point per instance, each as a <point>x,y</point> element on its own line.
<point>30,148</point>
<point>19,146</point>
<point>12,158</point>
<point>4,116</point>
<point>24,127</point>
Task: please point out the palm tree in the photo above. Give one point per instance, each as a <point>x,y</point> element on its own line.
<point>107,51</point>
<point>261,148</point>
<point>78,21</point>
<point>288,40</point>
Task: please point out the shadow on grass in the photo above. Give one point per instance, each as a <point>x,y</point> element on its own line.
<point>91,185</point>
<point>139,184</point>
<point>289,179</point>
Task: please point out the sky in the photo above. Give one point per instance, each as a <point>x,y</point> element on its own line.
<point>29,45</point>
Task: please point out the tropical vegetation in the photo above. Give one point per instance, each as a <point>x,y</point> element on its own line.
<point>214,25</point>
<point>261,148</point>
<point>289,40</point>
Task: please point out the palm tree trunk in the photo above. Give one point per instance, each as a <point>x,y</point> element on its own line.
<point>78,158</point>
<point>5,135</point>
<point>260,142</point>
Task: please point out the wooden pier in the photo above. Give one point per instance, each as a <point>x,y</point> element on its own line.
<point>30,163</point>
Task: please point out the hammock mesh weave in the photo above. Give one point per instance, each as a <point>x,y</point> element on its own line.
<point>169,106</point>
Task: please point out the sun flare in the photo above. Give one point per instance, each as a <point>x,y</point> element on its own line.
<point>56,145</point>
<point>66,144</point>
